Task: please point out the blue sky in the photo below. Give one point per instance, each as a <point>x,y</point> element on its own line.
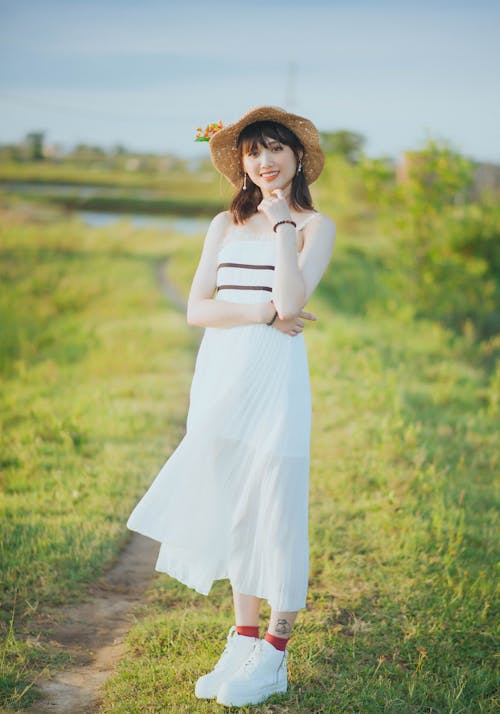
<point>147,73</point>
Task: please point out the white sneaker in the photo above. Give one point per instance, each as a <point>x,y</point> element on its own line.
<point>264,673</point>
<point>236,652</point>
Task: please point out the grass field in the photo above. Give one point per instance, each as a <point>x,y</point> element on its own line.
<point>96,369</point>
<point>89,350</point>
<point>402,537</point>
<point>179,191</point>
<point>198,184</point>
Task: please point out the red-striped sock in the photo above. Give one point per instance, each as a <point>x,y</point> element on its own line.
<point>278,642</point>
<point>247,631</point>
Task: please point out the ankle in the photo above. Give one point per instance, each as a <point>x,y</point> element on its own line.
<point>248,630</point>
<point>278,643</point>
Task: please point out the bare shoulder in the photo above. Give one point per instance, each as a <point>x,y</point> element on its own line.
<point>223,218</point>
<point>324,222</point>
<point>221,222</point>
<point>219,225</point>
<point>321,228</point>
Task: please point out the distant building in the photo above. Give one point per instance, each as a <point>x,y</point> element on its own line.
<point>486,180</point>
<point>404,165</point>
<point>53,151</point>
<point>486,176</point>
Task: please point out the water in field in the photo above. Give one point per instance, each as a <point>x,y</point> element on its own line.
<point>70,189</point>
<point>186,225</point>
<point>179,224</point>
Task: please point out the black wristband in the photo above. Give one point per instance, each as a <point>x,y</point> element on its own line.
<point>274,318</point>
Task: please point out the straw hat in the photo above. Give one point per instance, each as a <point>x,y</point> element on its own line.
<point>224,149</point>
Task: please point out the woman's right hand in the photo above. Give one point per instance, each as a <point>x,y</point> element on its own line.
<point>294,325</point>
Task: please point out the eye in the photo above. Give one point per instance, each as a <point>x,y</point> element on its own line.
<point>278,147</point>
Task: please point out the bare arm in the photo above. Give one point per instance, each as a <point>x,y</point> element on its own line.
<point>288,288</point>
<point>203,310</point>
<point>316,253</point>
<point>296,277</point>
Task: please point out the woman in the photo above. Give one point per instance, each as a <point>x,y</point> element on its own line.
<point>232,500</point>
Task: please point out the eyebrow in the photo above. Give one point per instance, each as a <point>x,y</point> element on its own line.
<point>268,140</point>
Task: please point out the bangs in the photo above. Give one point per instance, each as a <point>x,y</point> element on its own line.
<point>262,133</point>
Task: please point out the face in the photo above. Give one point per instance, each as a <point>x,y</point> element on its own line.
<point>270,167</point>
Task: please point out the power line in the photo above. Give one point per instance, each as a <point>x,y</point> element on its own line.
<point>290,94</point>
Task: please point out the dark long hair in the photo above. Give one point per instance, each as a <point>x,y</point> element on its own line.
<point>244,203</point>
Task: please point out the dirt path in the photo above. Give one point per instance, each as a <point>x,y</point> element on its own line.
<point>93,632</point>
<point>167,287</point>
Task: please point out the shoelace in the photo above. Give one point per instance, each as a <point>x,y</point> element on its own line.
<point>227,648</point>
<point>252,662</point>
<point>255,657</point>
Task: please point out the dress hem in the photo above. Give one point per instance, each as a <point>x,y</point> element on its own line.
<point>179,571</point>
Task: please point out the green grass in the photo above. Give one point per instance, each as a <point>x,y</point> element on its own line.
<point>97,173</point>
<point>402,593</point>
<point>161,192</point>
<point>127,204</point>
<point>401,605</point>
<point>89,349</point>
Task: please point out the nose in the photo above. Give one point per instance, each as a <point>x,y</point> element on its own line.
<point>266,158</point>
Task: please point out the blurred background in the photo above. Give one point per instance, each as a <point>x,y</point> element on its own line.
<point>105,199</point>
<point>144,75</point>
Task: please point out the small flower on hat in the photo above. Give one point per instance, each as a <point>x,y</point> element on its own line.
<point>211,129</point>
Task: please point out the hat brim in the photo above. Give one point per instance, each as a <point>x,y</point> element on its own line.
<point>224,144</point>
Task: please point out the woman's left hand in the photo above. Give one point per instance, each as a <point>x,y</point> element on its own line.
<point>294,325</point>
<point>275,209</point>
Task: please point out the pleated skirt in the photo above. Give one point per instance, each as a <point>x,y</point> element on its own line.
<point>232,499</point>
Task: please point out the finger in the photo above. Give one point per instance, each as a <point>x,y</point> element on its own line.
<point>308,315</point>
<point>300,323</point>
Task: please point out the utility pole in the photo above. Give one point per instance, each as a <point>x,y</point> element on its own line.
<point>290,95</point>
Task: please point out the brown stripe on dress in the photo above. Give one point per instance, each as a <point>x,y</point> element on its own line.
<point>244,287</point>
<point>245,265</point>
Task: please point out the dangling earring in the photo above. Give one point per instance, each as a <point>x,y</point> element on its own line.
<point>299,169</point>
<point>245,183</point>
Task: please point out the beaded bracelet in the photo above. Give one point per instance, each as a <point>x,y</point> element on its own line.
<point>285,221</point>
<point>274,317</point>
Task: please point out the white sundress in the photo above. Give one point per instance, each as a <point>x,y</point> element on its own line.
<point>232,499</point>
